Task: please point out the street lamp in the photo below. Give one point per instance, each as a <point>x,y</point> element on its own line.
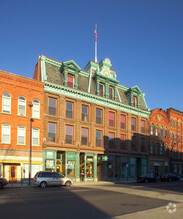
<point>30,141</point>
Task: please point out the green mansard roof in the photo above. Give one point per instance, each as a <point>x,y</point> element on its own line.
<point>52,74</point>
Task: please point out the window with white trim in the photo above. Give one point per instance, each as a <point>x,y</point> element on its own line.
<point>35,137</point>
<point>5,134</point>
<point>36,109</point>
<point>21,135</point>
<point>22,106</point>
<point>6,103</point>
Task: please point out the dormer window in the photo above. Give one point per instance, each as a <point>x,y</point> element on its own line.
<point>101,90</point>
<point>70,81</point>
<point>134,101</point>
<point>110,93</point>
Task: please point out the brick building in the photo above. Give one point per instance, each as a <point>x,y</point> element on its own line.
<point>166,141</point>
<point>94,128</point>
<point>16,94</point>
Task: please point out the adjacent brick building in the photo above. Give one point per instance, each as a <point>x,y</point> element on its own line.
<point>16,93</point>
<point>166,141</point>
<point>94,128</point>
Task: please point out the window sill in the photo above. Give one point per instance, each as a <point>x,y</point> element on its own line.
<point>5,143</point>
<point>22,115</point>
<point>6,113</point>
<point>21,144</point>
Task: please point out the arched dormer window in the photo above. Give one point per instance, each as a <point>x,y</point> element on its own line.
<point>6,103</point>
<point>22,106</point>
<point>36,109</point>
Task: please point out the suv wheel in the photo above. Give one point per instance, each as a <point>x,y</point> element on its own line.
<point>1,185</point>
<point>68,183</point>
<point>43,184</point>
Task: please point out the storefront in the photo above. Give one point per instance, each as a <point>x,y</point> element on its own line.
<point>158,167</point>
<point>75,165</point>
<point>124,168</point>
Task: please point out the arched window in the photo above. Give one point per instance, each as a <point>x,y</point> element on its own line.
<point>161,131</point>
<point>6,103</point>
<point>36,109</point>
<point>156,131</point>
<point>152,129</point>
<point>21,106</point>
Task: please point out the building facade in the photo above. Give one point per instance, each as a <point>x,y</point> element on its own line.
<point>21,110</point>
<point>94,128</point>
<point>166,141</point>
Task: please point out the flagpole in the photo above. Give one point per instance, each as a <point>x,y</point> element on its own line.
<point>96,43</point>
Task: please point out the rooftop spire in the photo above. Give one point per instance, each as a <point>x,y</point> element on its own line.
<point>95,42</point>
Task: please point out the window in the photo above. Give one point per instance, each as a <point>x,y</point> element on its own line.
<point>35,137</point>
<point>179,124</point>
<point>142,144</point>
<point>157,148</point>
<point>52,106</point>
<point>152,148</point>
<point>161,149</point>
<point>6,103</point>
<point>175,138</point>
<point>133,124</point>
<point>51,132</point>
<point>142,126</point>
<point>84,113</point>
<point>110,93</point>
<point>134,101</point>
<point>175,124</point>
<point>179,138</point>
<point>84,137</point>
<point>21,106</point>
<point>70,81</point>
<point>111,140</point>
<point>36,109</point>
<point>6,134</point>
<point>123,122</point>
<point>161,132</point>
<point>69,110</point>
<point>98,116</point>
<point>166,132</point>
<point>98,138</point>
<point>69,134</point>
<point>156,131</point>
<point>152,129</point>
<point>101,90</point>
<point>122,142</point>
<point>21,135</point>
<point>111,119</point>
<point>171,122</point>
<point>171,136</point>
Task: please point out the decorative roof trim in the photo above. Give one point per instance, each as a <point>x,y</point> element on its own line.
<point>59,89</point>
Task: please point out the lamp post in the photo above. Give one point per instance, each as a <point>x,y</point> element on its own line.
<point>30,141</point>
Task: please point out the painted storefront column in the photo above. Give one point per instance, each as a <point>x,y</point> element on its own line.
<point>77,166</point>
<point>95,168</point>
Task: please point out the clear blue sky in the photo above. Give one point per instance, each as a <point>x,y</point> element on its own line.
<point>142,38</point>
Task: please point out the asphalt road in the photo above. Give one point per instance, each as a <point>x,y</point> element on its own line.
<point>81,202</point>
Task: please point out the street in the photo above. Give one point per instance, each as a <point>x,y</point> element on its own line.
<point>89,201</point>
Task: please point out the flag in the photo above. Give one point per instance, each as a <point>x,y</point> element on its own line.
<point>95,32</point>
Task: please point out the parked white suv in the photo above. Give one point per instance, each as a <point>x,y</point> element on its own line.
<point>44,179</point>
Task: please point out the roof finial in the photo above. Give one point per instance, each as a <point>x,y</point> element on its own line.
<point>95,42</point>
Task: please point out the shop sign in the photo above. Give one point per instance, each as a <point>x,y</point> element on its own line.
<point>70,165</point>
<point>71,156</point>
<point>49,154</point>
<point>157,164</point>
<point>102,158</point>
<point>50,164</point>
<point>89,159</point>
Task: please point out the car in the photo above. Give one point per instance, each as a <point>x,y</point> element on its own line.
<point>44,179</point>
<point>3,182</point>
<point>147,178</point>
<point>169,177</point>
